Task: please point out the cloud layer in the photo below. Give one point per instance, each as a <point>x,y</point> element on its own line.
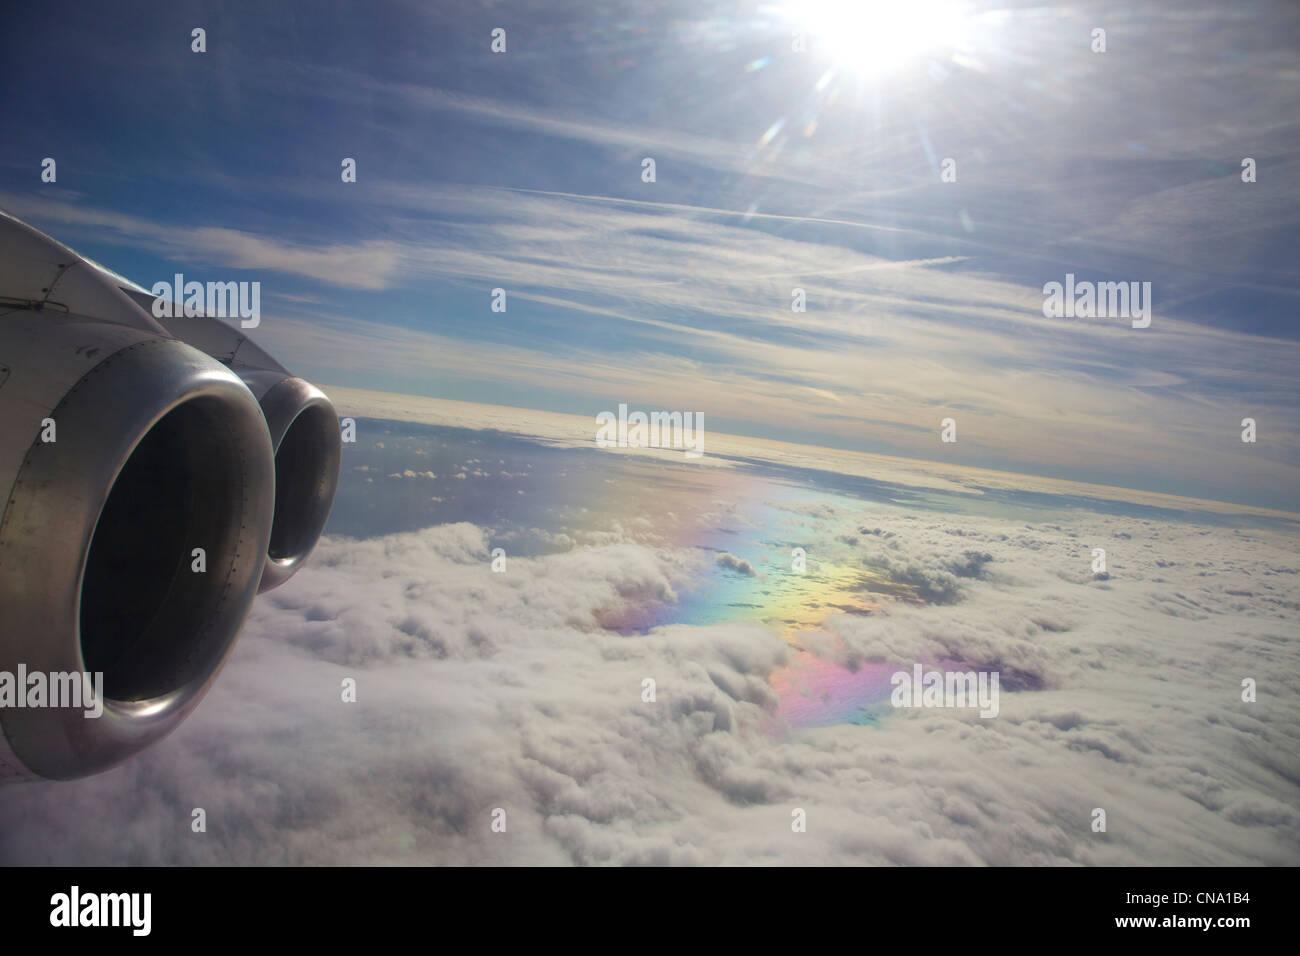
<point>479,691</point>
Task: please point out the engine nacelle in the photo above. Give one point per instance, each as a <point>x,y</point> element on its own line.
<point>151,486</point>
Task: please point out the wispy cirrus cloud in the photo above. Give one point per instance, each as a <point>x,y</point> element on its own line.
<point>369,264</point>
<point>697,310</point>
<point>924,297</point>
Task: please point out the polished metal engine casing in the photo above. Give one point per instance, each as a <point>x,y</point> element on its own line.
<point>126,443</point>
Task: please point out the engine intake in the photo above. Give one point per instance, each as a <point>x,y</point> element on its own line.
<point>160,450</point>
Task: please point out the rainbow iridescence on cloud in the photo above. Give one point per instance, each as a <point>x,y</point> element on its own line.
<point>542,499</point>
<point>761,522</point>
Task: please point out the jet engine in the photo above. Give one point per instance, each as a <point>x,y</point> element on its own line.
<point>155,474</point>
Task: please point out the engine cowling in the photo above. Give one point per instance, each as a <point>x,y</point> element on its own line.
<point>154,477</point>
<point>157,450</point>
<point>304,433</point>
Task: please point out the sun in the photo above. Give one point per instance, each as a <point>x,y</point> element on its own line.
<point>873,37</point>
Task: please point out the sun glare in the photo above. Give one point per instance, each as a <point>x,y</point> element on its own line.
<point>871,37</point>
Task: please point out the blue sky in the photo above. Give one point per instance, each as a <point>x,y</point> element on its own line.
<point>775,169</point>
